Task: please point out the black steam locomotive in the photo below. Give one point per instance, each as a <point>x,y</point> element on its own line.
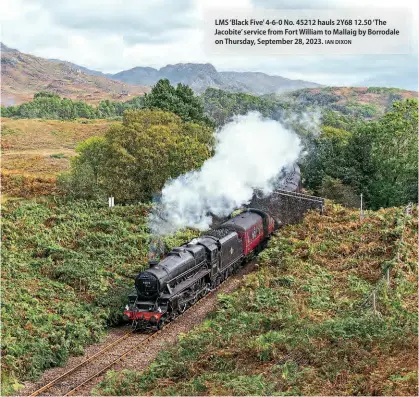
<point>189,272</point>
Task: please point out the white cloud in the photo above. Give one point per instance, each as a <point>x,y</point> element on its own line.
<point>115,35</point>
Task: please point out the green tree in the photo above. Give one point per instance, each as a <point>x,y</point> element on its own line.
<point>377,158</point>
<point>221,105</point>
<point>325,157</point>
<point>395,154</point>
<point>134,159</point>
<point>50,106</point>
<point>88,170</point>
<point>361,168</point>
<point>180,100</point>
<point>335,190</point>
<point>45,94</point>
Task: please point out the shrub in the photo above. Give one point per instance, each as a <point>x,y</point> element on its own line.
<point>304,323</point>
<point>68,267</point>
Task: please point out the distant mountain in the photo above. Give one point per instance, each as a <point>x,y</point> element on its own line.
<point>23,75</point>
<point>82,68</point>
<point>201,76</point>
<point>408,80</point>
<point>261,83</point>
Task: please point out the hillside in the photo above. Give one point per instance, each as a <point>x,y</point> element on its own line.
<point>359,101</point>
<point>23,75</point>
<point>305,323</point>
<point>68,267</point>
<point>352,103</point>
<point>35,151</point>
<point>202,76</point>
<point>82,68</point>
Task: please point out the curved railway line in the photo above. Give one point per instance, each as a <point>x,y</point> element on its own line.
<point>84,375</point>
<point>80,375</point>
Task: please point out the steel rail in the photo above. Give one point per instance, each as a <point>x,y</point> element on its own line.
<point>141,345</point>
<point>82,364</point>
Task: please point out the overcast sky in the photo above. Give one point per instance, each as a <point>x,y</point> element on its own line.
<point>114,35</point>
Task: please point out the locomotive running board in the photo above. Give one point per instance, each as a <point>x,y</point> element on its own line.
<point>185,284</point>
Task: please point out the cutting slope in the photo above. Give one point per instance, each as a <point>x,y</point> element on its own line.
<point>307,322</point>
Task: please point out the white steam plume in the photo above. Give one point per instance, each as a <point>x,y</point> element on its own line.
<point>309,121</point>
<point>250,152</point>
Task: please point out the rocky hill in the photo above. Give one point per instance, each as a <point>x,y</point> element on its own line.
<point>201,76</point>
<point>82,68</point>
<point>23,75</point>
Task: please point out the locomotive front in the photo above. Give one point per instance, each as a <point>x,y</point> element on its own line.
<point>143,308</point>
<point>154,288</point>
<point>147,285</point>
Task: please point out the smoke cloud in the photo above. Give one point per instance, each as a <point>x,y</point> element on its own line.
<point>250,154</point>
<point>308,121</point>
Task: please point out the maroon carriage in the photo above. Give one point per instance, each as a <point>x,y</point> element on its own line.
<point>253,227</point>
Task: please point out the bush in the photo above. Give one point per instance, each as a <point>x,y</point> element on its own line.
<point>68,267</point>
<point>135,159</point>
<point>303,323</point>
<point>335,190</point>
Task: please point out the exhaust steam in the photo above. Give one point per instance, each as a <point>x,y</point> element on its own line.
<point>250,154</point>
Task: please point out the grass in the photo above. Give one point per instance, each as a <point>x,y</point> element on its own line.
<point>35,151</point>
<point>58,155</point>
<point>66,271</point>
<point>38,134</point>
<point>304,323</point>
<point>35,164</point>
<point>17,185</point>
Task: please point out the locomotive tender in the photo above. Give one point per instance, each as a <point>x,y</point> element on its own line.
<point>190,271</point>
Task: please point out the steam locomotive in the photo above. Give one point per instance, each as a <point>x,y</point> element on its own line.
<point>190,271</point>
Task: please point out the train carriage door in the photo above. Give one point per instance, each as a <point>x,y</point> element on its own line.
<point>254,233</point>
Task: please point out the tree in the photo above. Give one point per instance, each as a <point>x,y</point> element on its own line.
<point>45,94</point>
<point>395,154</point>
<point>180,100</point>
<point>335,190</point>
<point>221,105</point>
<point>134,159</point>
<point>51,106</point>
<point>325,157</point>
<point>377,158</point>
<point>361,168</point>
<point>87,178</point>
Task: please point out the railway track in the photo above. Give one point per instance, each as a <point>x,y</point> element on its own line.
<point>83,364</point>
<point>77,377</point>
